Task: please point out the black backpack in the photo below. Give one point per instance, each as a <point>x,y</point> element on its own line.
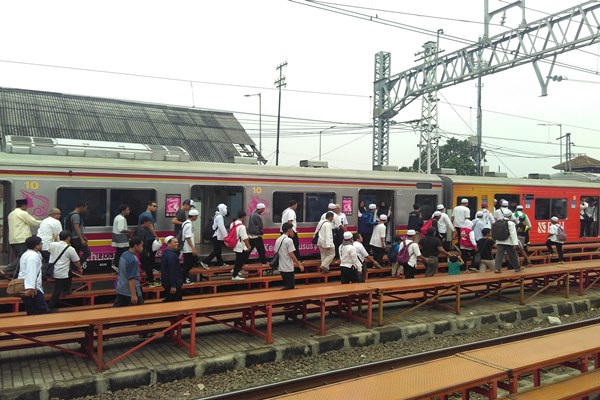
<point>208,231</point>
<point>68,226</point>
<point>180,238</point>
<point>500,230</point>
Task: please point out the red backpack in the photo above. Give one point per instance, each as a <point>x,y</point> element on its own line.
<point>232,238</point>
<point>428,224</point>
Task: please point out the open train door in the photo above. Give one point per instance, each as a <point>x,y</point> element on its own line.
<point>208,198</point>
<point>4,210</point>
<point>384,199</point>
<point>588,217</point>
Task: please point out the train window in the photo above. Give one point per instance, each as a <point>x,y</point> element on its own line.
<point>316,205</point>
<point>427,202</point>
<point>513,200</point>
<point>67,199</point>
<point>548,208</point>
<point>137,200</point>
<point>424,185</point>
<point>280,203</point>
<point>472,204</point>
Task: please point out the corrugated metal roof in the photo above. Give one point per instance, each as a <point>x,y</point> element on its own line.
<point>207,135</point>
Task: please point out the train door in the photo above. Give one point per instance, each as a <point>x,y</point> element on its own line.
<point>513,200</point>
<point>588,216</point>
<point>209,197</point>
<point>384,199</point>
<point>4,210</point>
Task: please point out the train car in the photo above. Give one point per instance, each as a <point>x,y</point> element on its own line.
<point>61,181</point>
<point>541,200</point>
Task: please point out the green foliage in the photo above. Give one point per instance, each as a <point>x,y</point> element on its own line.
<point>457,154</point>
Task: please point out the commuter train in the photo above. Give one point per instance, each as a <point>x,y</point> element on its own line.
<point>48,181</point>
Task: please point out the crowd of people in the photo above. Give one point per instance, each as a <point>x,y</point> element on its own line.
<point>63,244</point>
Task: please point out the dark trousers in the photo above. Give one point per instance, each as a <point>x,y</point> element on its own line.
<point>559,249</point>
<point>466,255</point>
<point>378,254</point>
<point>83,251</point>
<point>189,262</point>
<point>365,270</point>
<point>60,286</point>
<point>45,256</point>
<point>513,257</point>
<point>296,245</point>
<point>289,280</point>
<point>35,305</point>
<point>260,248</point>
<point>177,296</point>
<point>118,253</point>
<point>431,266</point>
<point>409,272</point>
<point>338,239</point>
<point>147,261</point>
<point>349,275</point>
<point>217,250</point>
<point>16,251</point>
<point>240,260</point>
<point>366,240</point>
<point>124,301</point>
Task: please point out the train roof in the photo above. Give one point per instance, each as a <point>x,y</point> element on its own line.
<point>30,161</point>
<point>486,180</point>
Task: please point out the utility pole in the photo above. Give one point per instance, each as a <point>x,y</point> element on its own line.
<point>567,149</point>
<point>279,83</point>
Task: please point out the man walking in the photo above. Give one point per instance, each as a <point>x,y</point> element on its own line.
<point>460,214</point>
<point>553,239</point>
<point>507,245</point>
<point>444,226</point>
<point>190,254</point>
<point>284,246</point>
<point>415,221</point>
<point>20,223</point>
<point>242,247</point>
<point>366,222</point>
<point>289,216</point>
<point>48,231</point>
<point>30,270</point>
<point>75,224</point>
<point>170,271</point>
<point>63,255</point>
<point>146,254</point>
<point>218,237</point>
<point>324,232</point>
<point>181,216</point>
<point>120,234</point>
<point>350,265</point>
<point>431,247</point>
<point>378,239</point>
<point>255,232</point>
<point>129,290</point>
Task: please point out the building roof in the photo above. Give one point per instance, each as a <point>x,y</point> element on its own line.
<point>581,163</point>
<point>207,135</point>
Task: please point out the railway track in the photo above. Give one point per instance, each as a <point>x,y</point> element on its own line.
<point>340,375</point>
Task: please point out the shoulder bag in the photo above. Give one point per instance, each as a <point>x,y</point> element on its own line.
<point>315,238</point>
<point>48,269</point>
<point>16,287</point>
<point>275,260</point>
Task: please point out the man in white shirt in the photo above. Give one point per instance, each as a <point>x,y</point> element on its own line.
<point>284,246</point>
<point>499,213</point>
<point>48,231</point>
<point>350,265</point>
<point>363,255</point>
<point>488,218</point>
<point>378,239</point>
<point>62,255</point>
<point>583,219</point>
<point>444,227</point>
<point>553,240</point>
<point>190,254</point>
<point>324,232</point>
<point>460,214</point>
<point>30,270</point>
<point>120,235</point>
<point>508,246</point>
<point>289,216</point>
<point>414,252</point>
<point>242,247</point>
<point>20,223</point>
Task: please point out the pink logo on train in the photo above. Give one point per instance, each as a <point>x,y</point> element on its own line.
<point>38,205</point>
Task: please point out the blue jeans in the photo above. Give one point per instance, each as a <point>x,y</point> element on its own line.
<point>35,305</point>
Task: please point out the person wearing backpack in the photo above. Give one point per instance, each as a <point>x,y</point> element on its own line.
<point>218,237</point>
<point>555,234</point>
<point>408,255</point>
<point>505,234</point>
<point>74,223</point>
<point>431,247</point>
<point>242,246</point>
<point>255,232</point>
<point>190,254</point>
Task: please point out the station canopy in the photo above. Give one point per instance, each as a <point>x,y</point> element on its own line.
<point>208,136</point>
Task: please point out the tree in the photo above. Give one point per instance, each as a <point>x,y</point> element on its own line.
<point>457,154</point>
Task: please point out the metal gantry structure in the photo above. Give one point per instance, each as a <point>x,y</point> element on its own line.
<point>558,33</point>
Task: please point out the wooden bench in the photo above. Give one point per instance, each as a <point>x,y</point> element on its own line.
<point>578,387</point>
<point>94,323</point>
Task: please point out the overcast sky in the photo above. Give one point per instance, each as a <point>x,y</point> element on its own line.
<point>231,48</point>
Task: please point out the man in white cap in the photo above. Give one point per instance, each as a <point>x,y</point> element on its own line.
<point>414,253</point>
<point>499,213</point>
<point>444,227</point>
<point>338,231</point>
<point>519,213</point>
<point>170,271</point>
<point>460,214</point>
<point>478,225</point>
<point>190,254</point>
<point>378,239</point>
<point>508,244</point>
<point>324,233</point>
<point>181,215</point>
<point>488,218</point>
<point>255,232</point>
<point>350,265</point>
<point>289,216</point>
<point>552,239</point>
<point>366,223</point>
